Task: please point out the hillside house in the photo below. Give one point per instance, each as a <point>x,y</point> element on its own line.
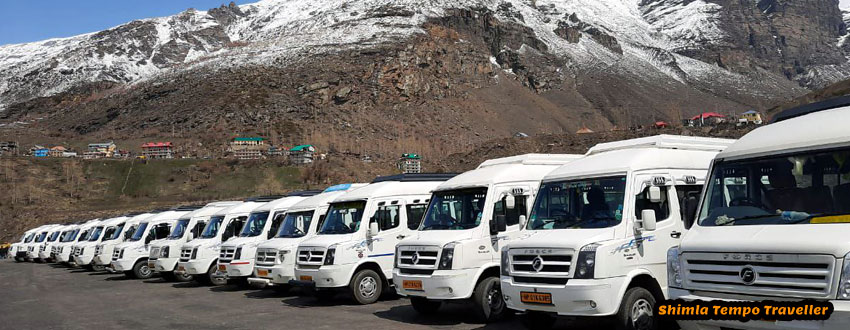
<point>302,155</point>
<point>247,147</point>
<point>40,152</point>
<point>275,151</point>
<point>8,148</point>
<point>751,117</point>
<point>100,150</point>
<point>707,119</point>
<point>410,163</point>
<point>158,150</point>
<point>57,151</point>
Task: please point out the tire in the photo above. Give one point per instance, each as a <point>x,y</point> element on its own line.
<point>212,279</point>
<point>425,306</point>
<point>185,277</point>
<point>18,259</point>
<point>141,270</point>
<point>98,268</point>
<point>636,311</point>
<point>366,286</point>
<point>537,320</point>
<point>487,300</point>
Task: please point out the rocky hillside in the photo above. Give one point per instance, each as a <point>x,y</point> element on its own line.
<point>436,76</point>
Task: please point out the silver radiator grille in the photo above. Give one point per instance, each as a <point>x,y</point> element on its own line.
<point>311,256</point>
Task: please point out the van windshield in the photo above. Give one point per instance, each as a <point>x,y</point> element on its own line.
<point>254,226</point>
<point>41,237</point>
<point>53,236</point>
<point>95,235</point>
<point>343,218</point>
<point>113,232</point>
<point>29,238</point>
<point>140,231</point>
<point>72,235</point>
<point>84,236</point>
<point>211,230</point>
<point>800,188</point>
<point>179,229</point>
<point>295,224</point>
<point>579,204</point>
<point>455,210</point>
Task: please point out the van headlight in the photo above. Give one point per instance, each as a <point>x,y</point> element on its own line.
<point>281,255</point>
<point>396,256</point>
<point>238,254</point>
<point>330,255</point>
<point>674,268</point>
<point>194,254</point>
<point>447,256</point>
<point>844,286</point>
<point>586,262</point>
<point>163,252</point>
<point>505,264</point>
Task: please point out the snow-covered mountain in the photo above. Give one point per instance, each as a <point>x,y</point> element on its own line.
<point>689,41</point>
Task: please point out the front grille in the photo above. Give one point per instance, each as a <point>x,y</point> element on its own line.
<point>540,265</point>
<point>787,275</point>
<point>185,255</point>
<point>226,254</point>
<point>414,271</point>
<point>78,251</point>
<point>311,256</point>
<point>418,257</point>
<point>266,257</point>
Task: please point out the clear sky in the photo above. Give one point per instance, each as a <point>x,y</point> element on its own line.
<point>34,20</point>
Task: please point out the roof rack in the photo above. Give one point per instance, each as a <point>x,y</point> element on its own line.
<point>304,193</point>
<point>415,177</point>
<point>665,142</point>
<point>264,199</point>
<point>838,102</point>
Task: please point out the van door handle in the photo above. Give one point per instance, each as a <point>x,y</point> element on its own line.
<point>400,237</point>
<point>675,234</point>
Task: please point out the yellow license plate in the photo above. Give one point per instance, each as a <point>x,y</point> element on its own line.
<point>222,268</point>
<point>535,298</point>
<point>150,265</point>
<point>262,272</point>
<point>306,278</point>
<point>412,285</point>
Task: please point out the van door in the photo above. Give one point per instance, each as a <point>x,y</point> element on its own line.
<point>523,197</point>
<point>649,249</point>
<point>392,224</point>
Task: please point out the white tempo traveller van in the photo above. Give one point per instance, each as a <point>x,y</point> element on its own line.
<point>354,247</point>
<point>84,252</point>
<point>68,234</point>
<point>165,253</point>
<point>34,248</point>
<point>595,244</point>
<point>65,251</point>
<point>236,260</point>
<point>114,235</point>
<point>199,258</point>
<point>19,250</point>
<point>774,222</point>
<point>275,260</point>
<point>454,254</point>
<point>131,257</point>
<point>45,250</point>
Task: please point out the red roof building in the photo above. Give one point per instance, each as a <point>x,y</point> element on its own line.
<point>158,150</point>
<point>707,115</point>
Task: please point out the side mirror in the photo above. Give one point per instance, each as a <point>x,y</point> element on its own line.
<point>522,221</point>
<point>373,229</point>
<point>647,222</point>
<point>498,224</point>
<point>654,194</point>
<point>510,202</point>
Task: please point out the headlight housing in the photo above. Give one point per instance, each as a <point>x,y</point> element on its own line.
<point>163,252</point>
<point>674,268</point>
<point>447,256</point>
<point>586,262</point>
<point>281,255</point>
<point>396,255</point>
<point>330,255</point>
<point>844,285</point>
<point>505,263</point>
<point>194,253</point>
<point>238,254</point>
<point>121,255</point>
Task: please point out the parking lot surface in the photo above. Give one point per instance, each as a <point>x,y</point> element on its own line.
<point>50,296</point>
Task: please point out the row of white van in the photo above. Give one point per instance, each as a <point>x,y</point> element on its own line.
<point>607,234</point>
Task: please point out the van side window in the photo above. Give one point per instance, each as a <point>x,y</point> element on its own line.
<point>320,222</point>
<point>278,219</point>
<point>511,216</point>
<point>662,208</point>
<point>688,202</point>
<point>388,217</point>
<point>415,212</point>
<point>199,228</point>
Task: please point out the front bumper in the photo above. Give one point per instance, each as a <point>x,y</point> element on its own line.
<point>329,276</point>
<point>441,285</point>
<point>102,260</point>
<point>839,320</point>
<point>165,264</point>
<point>123,265</point>
<point>193,267</point>
<point>63,257</point>
<point>32,255</point>
<point>44,255</point>
<point>576,298</point>
<point>83,259</point>
<point>238,268</point>
<point>277,274</point>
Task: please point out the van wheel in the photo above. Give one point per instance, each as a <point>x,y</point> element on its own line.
<point>425,306</point>
<point>141,270</point>
<point>98,268</point>
<point>537,320</point>
<point>636,311</point>
<point>488,301</point>
<point>366,286</point>
<point>214,280</point>
<point>185,277</point>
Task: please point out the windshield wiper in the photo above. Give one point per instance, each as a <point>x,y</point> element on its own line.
<point>724,221</point>
<point>437,226</point>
